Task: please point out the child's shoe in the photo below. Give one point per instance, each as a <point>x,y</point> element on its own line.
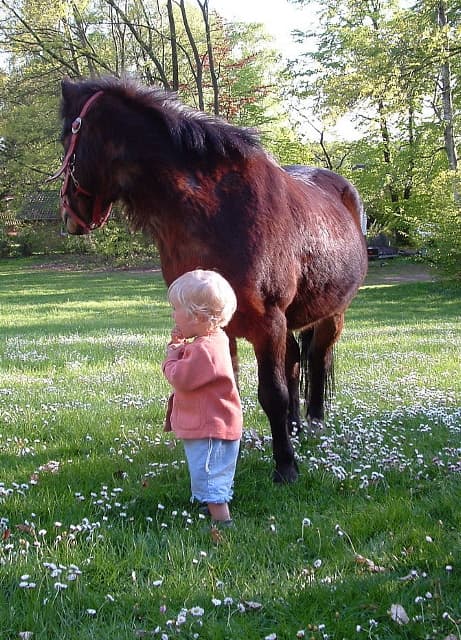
<point>203,509</point>
<point>222,524</point>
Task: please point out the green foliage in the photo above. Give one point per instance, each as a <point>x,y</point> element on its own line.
<point>29,126</point>
<point>438,221</point>
<point>28,240</point>
<point>249,94</point>
<point>286,148</point>
<point>32,238</point>
<point>5,243</point>
<point>444,242</point>
<point>38,238</point>
<point>116,243</point>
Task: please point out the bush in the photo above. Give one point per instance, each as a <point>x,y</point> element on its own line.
<point>39,238</point>
<point>5,243</point>
<point>438,224</point>
<point>26,242</point>
<point>116,243</point>
<point>445,246</point>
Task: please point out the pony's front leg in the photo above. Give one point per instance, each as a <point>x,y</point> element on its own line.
<point>292,370</point>
<point>270,349</point>
<point>234,357</point>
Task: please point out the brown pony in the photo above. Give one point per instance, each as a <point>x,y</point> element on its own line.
<point>288,239</point>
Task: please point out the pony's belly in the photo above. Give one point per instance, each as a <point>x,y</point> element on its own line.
<point>304,313</point>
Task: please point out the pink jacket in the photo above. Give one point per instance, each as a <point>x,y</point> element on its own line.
<point>206,403</point>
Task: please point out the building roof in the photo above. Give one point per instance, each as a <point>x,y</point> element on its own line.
<point>41,205</point>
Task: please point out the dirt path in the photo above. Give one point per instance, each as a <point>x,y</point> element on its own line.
<point>395,271</point>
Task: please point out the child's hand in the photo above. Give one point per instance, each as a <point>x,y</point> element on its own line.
<point>176,336</point>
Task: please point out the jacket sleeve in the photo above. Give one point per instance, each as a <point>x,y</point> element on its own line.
<point>189,369</point>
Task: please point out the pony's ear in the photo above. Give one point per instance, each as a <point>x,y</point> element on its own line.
<point>68,89</point>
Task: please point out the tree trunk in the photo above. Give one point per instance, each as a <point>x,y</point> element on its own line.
<point>447,102</point>
<point>214,79</point>
<point>84,43</point>
<point>146,47</point>
<point>174,47</point>
<point>411,161</point>
<point>198,71</point>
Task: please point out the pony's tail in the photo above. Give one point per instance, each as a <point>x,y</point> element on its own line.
<point>305,343</point>
<point>353,202</point>
<point>304,339</point>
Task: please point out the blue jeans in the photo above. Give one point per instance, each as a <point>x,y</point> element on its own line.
<point>212,465</point>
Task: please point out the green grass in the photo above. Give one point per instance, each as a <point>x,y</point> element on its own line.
<point>97,535</point>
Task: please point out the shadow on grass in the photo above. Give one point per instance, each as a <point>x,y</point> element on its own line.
<point>407,301</point>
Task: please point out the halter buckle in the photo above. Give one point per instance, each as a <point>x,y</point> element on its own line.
<point>76,125</point>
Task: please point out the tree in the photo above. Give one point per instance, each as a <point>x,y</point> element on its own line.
<point>446,88</point>
<point>380,62</point>
<point>176,44</point>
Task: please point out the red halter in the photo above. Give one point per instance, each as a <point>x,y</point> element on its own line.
<point>99,215</point>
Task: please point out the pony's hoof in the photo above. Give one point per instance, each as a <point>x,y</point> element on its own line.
<point>286,475</point>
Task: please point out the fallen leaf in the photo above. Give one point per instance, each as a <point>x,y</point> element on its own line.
<point>216,535</point>
<point>253,605</point>
<point>370,565</point>
<point>26,528</point>
<point>398,614</point>
<point>410,576</point>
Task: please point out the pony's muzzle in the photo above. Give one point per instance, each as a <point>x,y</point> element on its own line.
<point>72,227</point>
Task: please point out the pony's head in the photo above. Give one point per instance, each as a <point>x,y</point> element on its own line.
<point>123,141</point>
<point>83,206</point>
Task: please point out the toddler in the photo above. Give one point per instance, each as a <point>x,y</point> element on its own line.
<point>206,413</point>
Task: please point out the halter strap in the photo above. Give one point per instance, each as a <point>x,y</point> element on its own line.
<point>99,216</point>
<point>76,126</point>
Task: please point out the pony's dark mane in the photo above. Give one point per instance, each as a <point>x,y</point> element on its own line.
<point>190,130</point>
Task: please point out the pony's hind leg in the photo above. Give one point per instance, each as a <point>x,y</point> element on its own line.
<point>292,367</point>
<point>317,363</point>
<point>270,349</point>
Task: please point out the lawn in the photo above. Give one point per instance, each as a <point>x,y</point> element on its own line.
<point>98,538</point>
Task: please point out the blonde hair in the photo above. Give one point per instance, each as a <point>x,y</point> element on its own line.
<point>203,292</point>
